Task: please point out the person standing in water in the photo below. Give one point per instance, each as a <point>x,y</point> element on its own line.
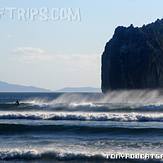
<point>17,102</point>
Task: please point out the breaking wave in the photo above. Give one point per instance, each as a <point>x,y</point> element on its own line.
<point>45,155</point>
<point>149,97</point>
<point>123,101</point>
<point>119,117</point>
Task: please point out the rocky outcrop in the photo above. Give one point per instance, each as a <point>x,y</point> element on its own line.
<point>133,58</point>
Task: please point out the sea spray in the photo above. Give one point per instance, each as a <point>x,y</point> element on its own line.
<point>122,97</point>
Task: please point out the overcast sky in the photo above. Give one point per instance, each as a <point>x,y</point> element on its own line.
<point>64,53</point>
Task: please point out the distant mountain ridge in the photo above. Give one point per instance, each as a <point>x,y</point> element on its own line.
<point>79,89</point>
<point>7,87</point>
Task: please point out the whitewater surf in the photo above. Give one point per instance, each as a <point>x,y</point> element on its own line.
<point>82,127</point>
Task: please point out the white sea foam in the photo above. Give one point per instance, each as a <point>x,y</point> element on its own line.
<point>82,116</point>
<point>63,154</point>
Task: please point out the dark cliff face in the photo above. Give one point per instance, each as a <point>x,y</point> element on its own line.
<point>133,58</point>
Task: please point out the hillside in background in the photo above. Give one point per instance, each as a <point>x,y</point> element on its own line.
<point>7,87</point>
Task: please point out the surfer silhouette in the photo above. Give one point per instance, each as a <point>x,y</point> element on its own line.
<point>17,102</point>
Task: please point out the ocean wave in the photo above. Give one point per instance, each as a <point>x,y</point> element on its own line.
<point>76,104</point>
<point>144,100</point>
<point>144,97</point>
<point>62,155</point>
<point>82,116</point>
<point>77,129</point>
<point>82,107</point>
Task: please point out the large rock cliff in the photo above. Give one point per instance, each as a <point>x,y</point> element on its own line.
<point>133,58</point>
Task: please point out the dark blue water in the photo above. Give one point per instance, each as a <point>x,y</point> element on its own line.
<point>61,127</point>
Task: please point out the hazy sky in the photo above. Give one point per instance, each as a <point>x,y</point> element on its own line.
<point>64,53</point>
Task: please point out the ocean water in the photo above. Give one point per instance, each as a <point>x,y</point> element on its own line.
<point>81,127</point>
